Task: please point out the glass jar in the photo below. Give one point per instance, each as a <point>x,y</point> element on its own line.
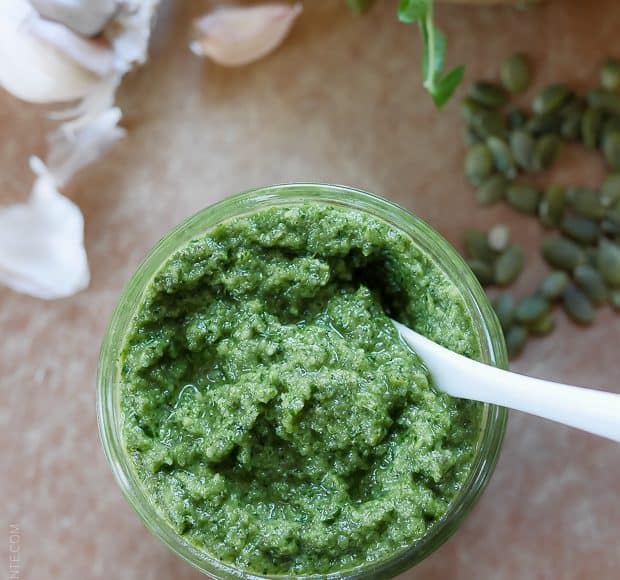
<point>490,335</point>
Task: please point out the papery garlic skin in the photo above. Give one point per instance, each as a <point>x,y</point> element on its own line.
<point>42,243</point>
<point>29,69</point>
<point>236,36</point>
<point>86,17</point>
<point>133,22</point>
<point>72,148</point>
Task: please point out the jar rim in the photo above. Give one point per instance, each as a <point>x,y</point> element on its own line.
<point>493,351</point>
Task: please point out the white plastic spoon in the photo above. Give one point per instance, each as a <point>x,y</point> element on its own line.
<point>594,411</point>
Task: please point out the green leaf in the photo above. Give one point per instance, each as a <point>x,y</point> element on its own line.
<point>359,6</point>
<point>445,87</point>
<point>413,10</point>
<point>439,47</point>
<point>440,87</point>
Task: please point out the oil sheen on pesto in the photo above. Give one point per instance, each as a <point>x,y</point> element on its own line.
<point>271,411</point>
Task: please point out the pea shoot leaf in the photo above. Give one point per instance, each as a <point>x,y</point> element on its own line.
<point>413,10</point>
<point>440,86</point>
<point>446,85</point>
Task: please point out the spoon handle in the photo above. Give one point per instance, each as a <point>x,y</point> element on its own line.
<point>591,410</point>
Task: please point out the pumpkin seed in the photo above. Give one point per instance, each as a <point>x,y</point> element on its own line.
<point>571,127</point>
<point>551,208</point>
<point>478,164</point>
<point>508,266</point>
<point>591,256</point>
<point>611,229</point>
<point>554,284</point>
<point>516,119</point>
<point>522,146</point>
<point>359,6</point>
<point>614,299</point>
<point>610,75</point>
<point>610,125</point>
<point>515,73</point>
<point>531,309</point>
<point>492,190</point>
<point>562,253</point>
<point>504,306</point>
<point>551,98</point>
<point>546,152</point>
<point>482,271</point>
<point>577,306</point>
<point>502,156</point>
<point>470,137</point>
<point>487,94</point>
<point>573,105</point>
<point>610,226</point>
<point>585,202</point>
<point>515,340</point>
<point>498,237</point>
<point>591,283</point>
<point>591,123</point>
<point>610,190</point>
<point>580,229</point>
<point>605,101</point>
<point>524,198</point>
<point>470,109</point>
<point>490,123</point>
<point>543,325</point>
<point>611,149</point>
<point>608,262</point>
<point>484,122</point>
<point>477,246</point>
<point>544,123</point>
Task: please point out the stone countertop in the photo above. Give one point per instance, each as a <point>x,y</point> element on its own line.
<point>340,101</point>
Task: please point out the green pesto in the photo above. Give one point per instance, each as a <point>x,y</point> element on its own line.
<point>271,411</point>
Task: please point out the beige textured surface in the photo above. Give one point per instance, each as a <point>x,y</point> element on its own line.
<point>341,101</point>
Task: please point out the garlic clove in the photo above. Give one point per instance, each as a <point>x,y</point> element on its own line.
<point>95,56</point>
<point>86,17</point>
<point>236,36</point>
<point>42,243</point>
<point>29,69</point>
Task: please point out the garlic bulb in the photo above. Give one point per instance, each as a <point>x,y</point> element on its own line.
<point>86,17</point>
<point>95,56</point>
<point>28,68</point>
<point>236,36</point>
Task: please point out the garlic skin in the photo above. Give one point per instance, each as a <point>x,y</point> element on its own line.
<point>42,243</point>
<point>28,68</point>
<point>236,36</point>
<point>86,17</point>
<point>73,147</point>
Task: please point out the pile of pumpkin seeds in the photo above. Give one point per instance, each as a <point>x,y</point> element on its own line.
<point>506,143</point>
